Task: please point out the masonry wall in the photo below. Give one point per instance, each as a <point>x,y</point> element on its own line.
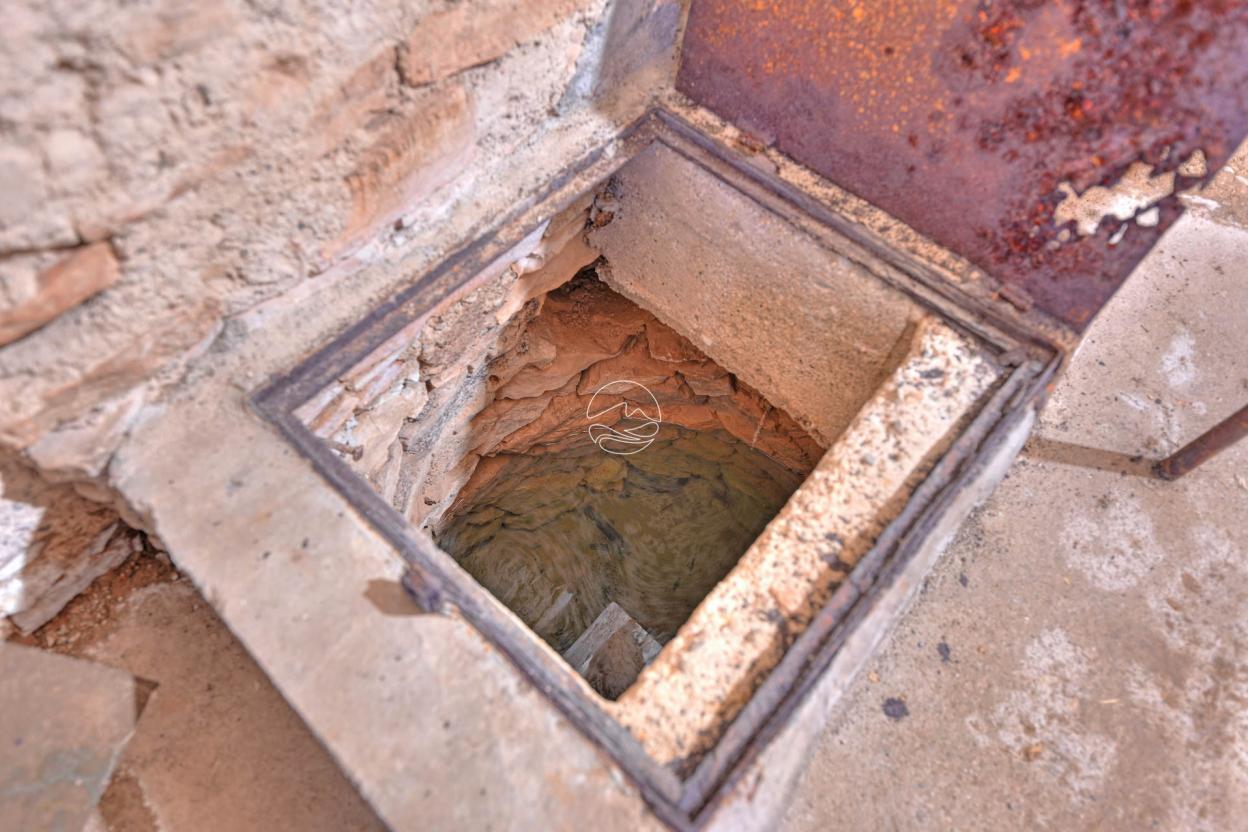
<point>172,168</point>
<point>175,175</point>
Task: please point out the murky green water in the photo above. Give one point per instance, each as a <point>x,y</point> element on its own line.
<point>653,531</point>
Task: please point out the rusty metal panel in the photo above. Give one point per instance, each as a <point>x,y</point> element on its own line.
<point>971,120</point>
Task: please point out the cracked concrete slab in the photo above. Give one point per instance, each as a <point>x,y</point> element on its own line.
<point>63,724</point>
<point>1079,659</point>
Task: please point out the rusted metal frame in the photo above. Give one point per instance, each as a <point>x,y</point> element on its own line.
<point>442,577</point>
<point>981,116</point>
<point>328,363</point>
<point>782,692</point>
<point>903,271</point>
<point>680,806</point>
<point>452,585</point>
<point>277,400</point>
<point>1204,447</point>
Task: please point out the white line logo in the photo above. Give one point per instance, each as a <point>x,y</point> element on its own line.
<point>615,402</point>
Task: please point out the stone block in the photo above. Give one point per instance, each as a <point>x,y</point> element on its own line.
<point>174,28</point>
<point>411,155</point>
<point>53,543</point>
<point>118,364</point>
<point>86,272</point>
<point>371,88</point>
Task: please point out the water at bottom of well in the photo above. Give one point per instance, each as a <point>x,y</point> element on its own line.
<point>558,536</point>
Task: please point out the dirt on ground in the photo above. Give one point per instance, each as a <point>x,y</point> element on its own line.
<point>93,615</point>
<point>216,747</point>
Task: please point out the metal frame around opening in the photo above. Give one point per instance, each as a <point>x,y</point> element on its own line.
<point>438,580</point>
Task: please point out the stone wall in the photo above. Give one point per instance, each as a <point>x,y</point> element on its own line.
<point>172,167</point>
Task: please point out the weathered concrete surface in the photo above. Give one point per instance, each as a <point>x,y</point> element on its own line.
<point>302,569</point>
<point>436,728</point>
<point>762,793</point>
<point>216,740</point>
<point>1174,334</point>
<point>682,702</point>
<point>1079,659</point>
<point>63,724</point>
<point>230,272</point>
<point>215,745</point>
<point>723,270</point>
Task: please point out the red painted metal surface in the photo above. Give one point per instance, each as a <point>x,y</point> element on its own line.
<point>963,117</point>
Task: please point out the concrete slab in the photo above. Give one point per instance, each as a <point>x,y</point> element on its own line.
<point>216,746</point>
<point>1079,660</point>
<point>63,724</point>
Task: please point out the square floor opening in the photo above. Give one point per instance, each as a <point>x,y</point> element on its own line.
<point>646,472</point>
<point>659,432</point>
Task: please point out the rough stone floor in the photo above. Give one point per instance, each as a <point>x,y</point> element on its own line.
<point>1079,660</point>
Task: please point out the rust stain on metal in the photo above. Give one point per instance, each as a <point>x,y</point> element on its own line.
<point>963,117</point>
<point>1204,447</point>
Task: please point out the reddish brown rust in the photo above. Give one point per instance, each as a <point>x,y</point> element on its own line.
<point>1204,447</point>
<point>962,117</point>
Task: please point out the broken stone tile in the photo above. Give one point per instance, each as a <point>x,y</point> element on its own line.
<point>53,543</point>
<point>80,448</point>
<point>63,724</point>
<point>106,553</point>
